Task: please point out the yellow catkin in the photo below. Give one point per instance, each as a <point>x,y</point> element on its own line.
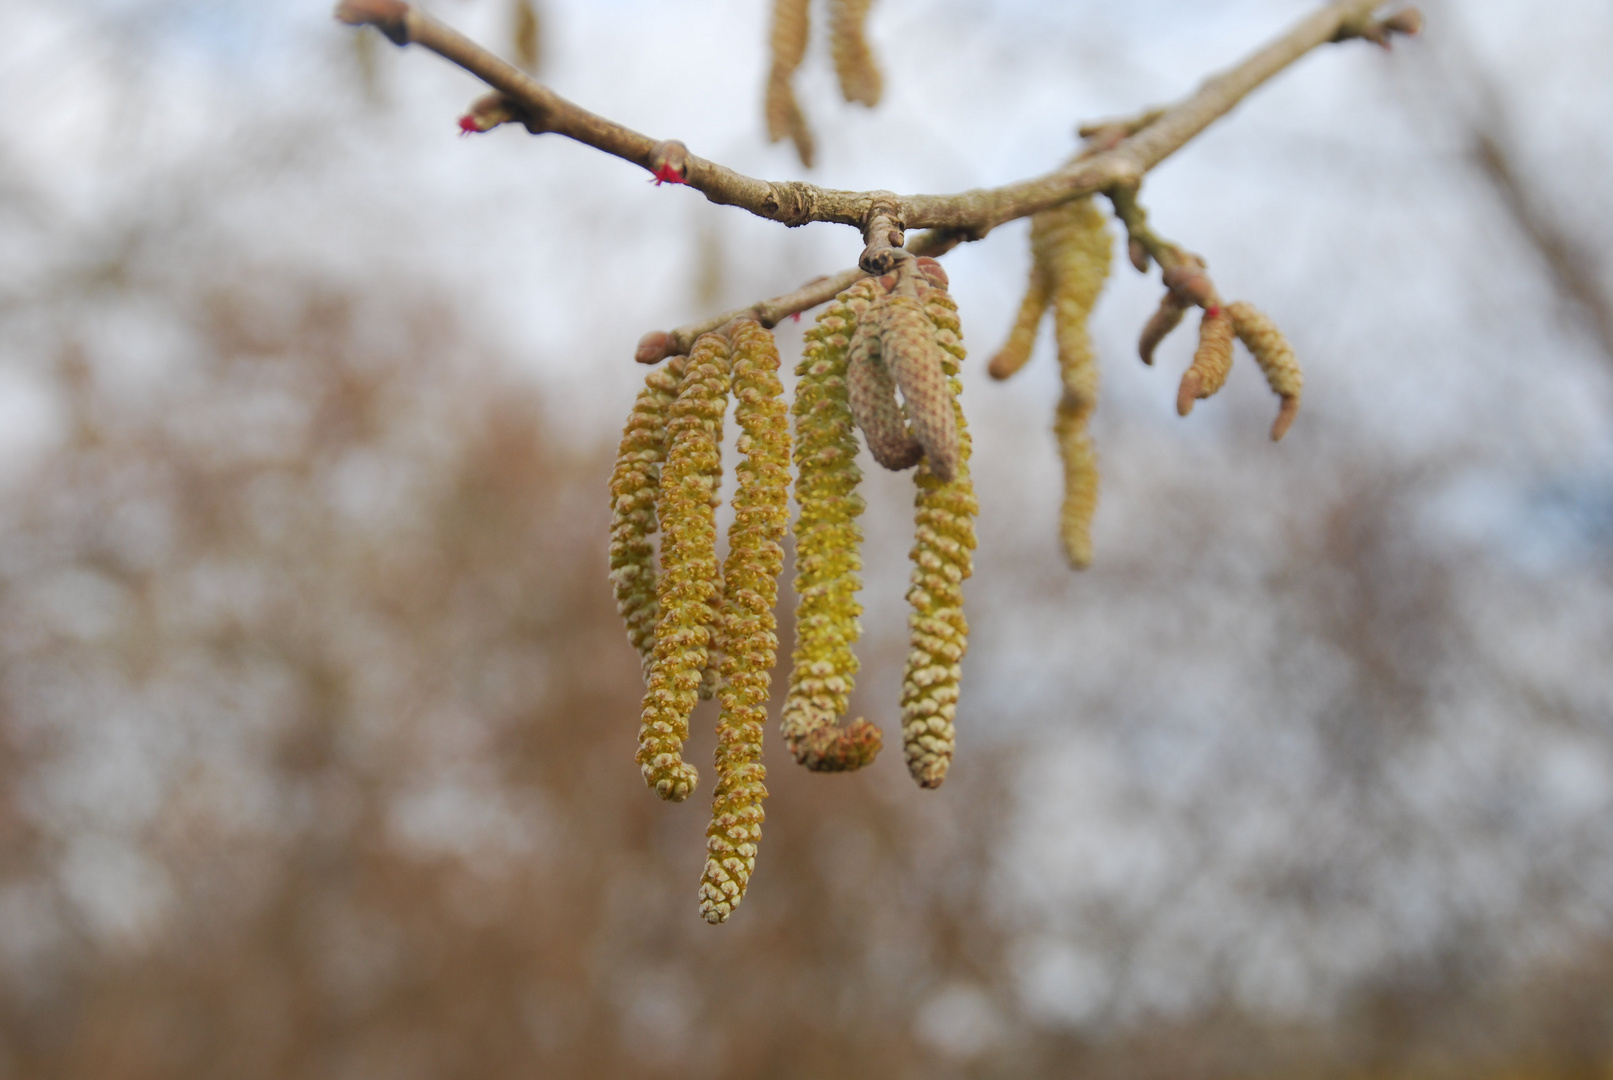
<point>1212,361</point>
<point>1071,242</point>
<point>791,26</point>
<point>827,539</point>
<point>860,80</point>
<point>749,644</point>
<point>1016,351</point>
<point>688,568</point>
<point>1167,317</point>
<point>635,484</point>
<point>944,538</point>
<point>1276,358</point>
<point>526,34</point>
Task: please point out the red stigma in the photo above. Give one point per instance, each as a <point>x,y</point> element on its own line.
<point>667,174</point>
<point>468,125</point>
<point>1213,311</point>
<point>796,317</point>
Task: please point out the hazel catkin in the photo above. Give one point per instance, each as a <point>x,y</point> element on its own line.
<point>827,542</point>
<point>1212,362</point>
<point>746,628</point>
<point>944,538</point>
<point>788,42</point>
<point>854,61</point>
<point>910,352</point>
<point>871,393</point>
<point>635,484</point>
<point>688,568</point>
<point>1276,358</point>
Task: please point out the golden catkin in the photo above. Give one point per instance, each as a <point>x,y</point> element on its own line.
<point>634,485</point>
<point>1212,361</point>
<point>871,393</point>
<point>749,644</point>
<point>791,26</point>
<point>688,568</point>
<point>1276,358</point>
<point>1167,317</point>
<point>1016,351</point>
<point>1073,245</point>
<point>854,62</point>
<point>827,538</point>
<point>944,538</point>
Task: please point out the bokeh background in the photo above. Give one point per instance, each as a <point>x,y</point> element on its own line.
<point>317,723</point>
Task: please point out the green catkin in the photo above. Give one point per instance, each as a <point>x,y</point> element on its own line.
<point>827,541</point>
<point>1016,351</point>
<point>944,538</point>
<point>1212,361</point>
<point>1276,358</point>
<point>1071,242</point>
<point>634,485</point>
<point>859,76</point>
<point>788,42</point>
<point>749,644</point>
<point>688,568</point>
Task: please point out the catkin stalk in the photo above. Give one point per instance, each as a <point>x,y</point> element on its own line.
<point>688,569</point>
<point>944,538</point>
<point>749,644</point>
<point>827,542</point>
<point>635,484</point>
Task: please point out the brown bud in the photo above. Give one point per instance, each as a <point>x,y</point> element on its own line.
<point>654,347</point>
<point>669,161</point>
<point>1189,281</point>
<point>1408,22</point>
<point>1165,319</point>
<point>1137,252</point>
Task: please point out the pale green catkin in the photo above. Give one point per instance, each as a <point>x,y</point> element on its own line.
<point>827,542</point>
<point>635,484</point>
<point>1276,358</point>
<point>749,644</point>
<point>688,568</point>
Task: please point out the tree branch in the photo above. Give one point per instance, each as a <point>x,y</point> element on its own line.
<point>967,215</point>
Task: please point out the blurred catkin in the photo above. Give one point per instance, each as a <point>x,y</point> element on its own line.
<point>1016,351</point>
<point>688,568</point>
<point>1072,244</point>
<point>634,486</point>
<point>944,538</point>
<point>827,539</point>
<point>1167,317</point>
<point>1275,356</point>
<point>746,627</point>
<point>526,35</point>
<point>1212,361</point>
<point>854,62</point>
<point>788,41</point>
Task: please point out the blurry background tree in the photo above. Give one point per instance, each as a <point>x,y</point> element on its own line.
<point>318,723</point>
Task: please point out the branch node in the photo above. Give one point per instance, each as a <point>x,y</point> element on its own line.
<point>883,235</point>
<point>391,17</point>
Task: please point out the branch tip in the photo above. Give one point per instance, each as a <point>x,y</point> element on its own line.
<point>391,17</point>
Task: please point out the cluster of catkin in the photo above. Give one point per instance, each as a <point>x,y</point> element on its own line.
<point>1070,257</point>
<point>699,625</point>
<point>859,76</point>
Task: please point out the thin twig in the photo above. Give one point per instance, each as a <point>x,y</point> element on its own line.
<point>967,215</point>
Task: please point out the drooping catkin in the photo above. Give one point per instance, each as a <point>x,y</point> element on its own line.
<point>526,35</point>
<point>827,539</point>
<point>1016,351</point>
<point>634,485</point>
<point>788,40</point>
<point>688,568</point>
<point>871,393</point>
<point>1212,361</point>
<point>908,347</point>
<point>1276,358</point>
<point>749,644</point>
<point>944,538</point>
<point>1073,244</point>
<point>854,62</point>
<point>1167,317</point>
